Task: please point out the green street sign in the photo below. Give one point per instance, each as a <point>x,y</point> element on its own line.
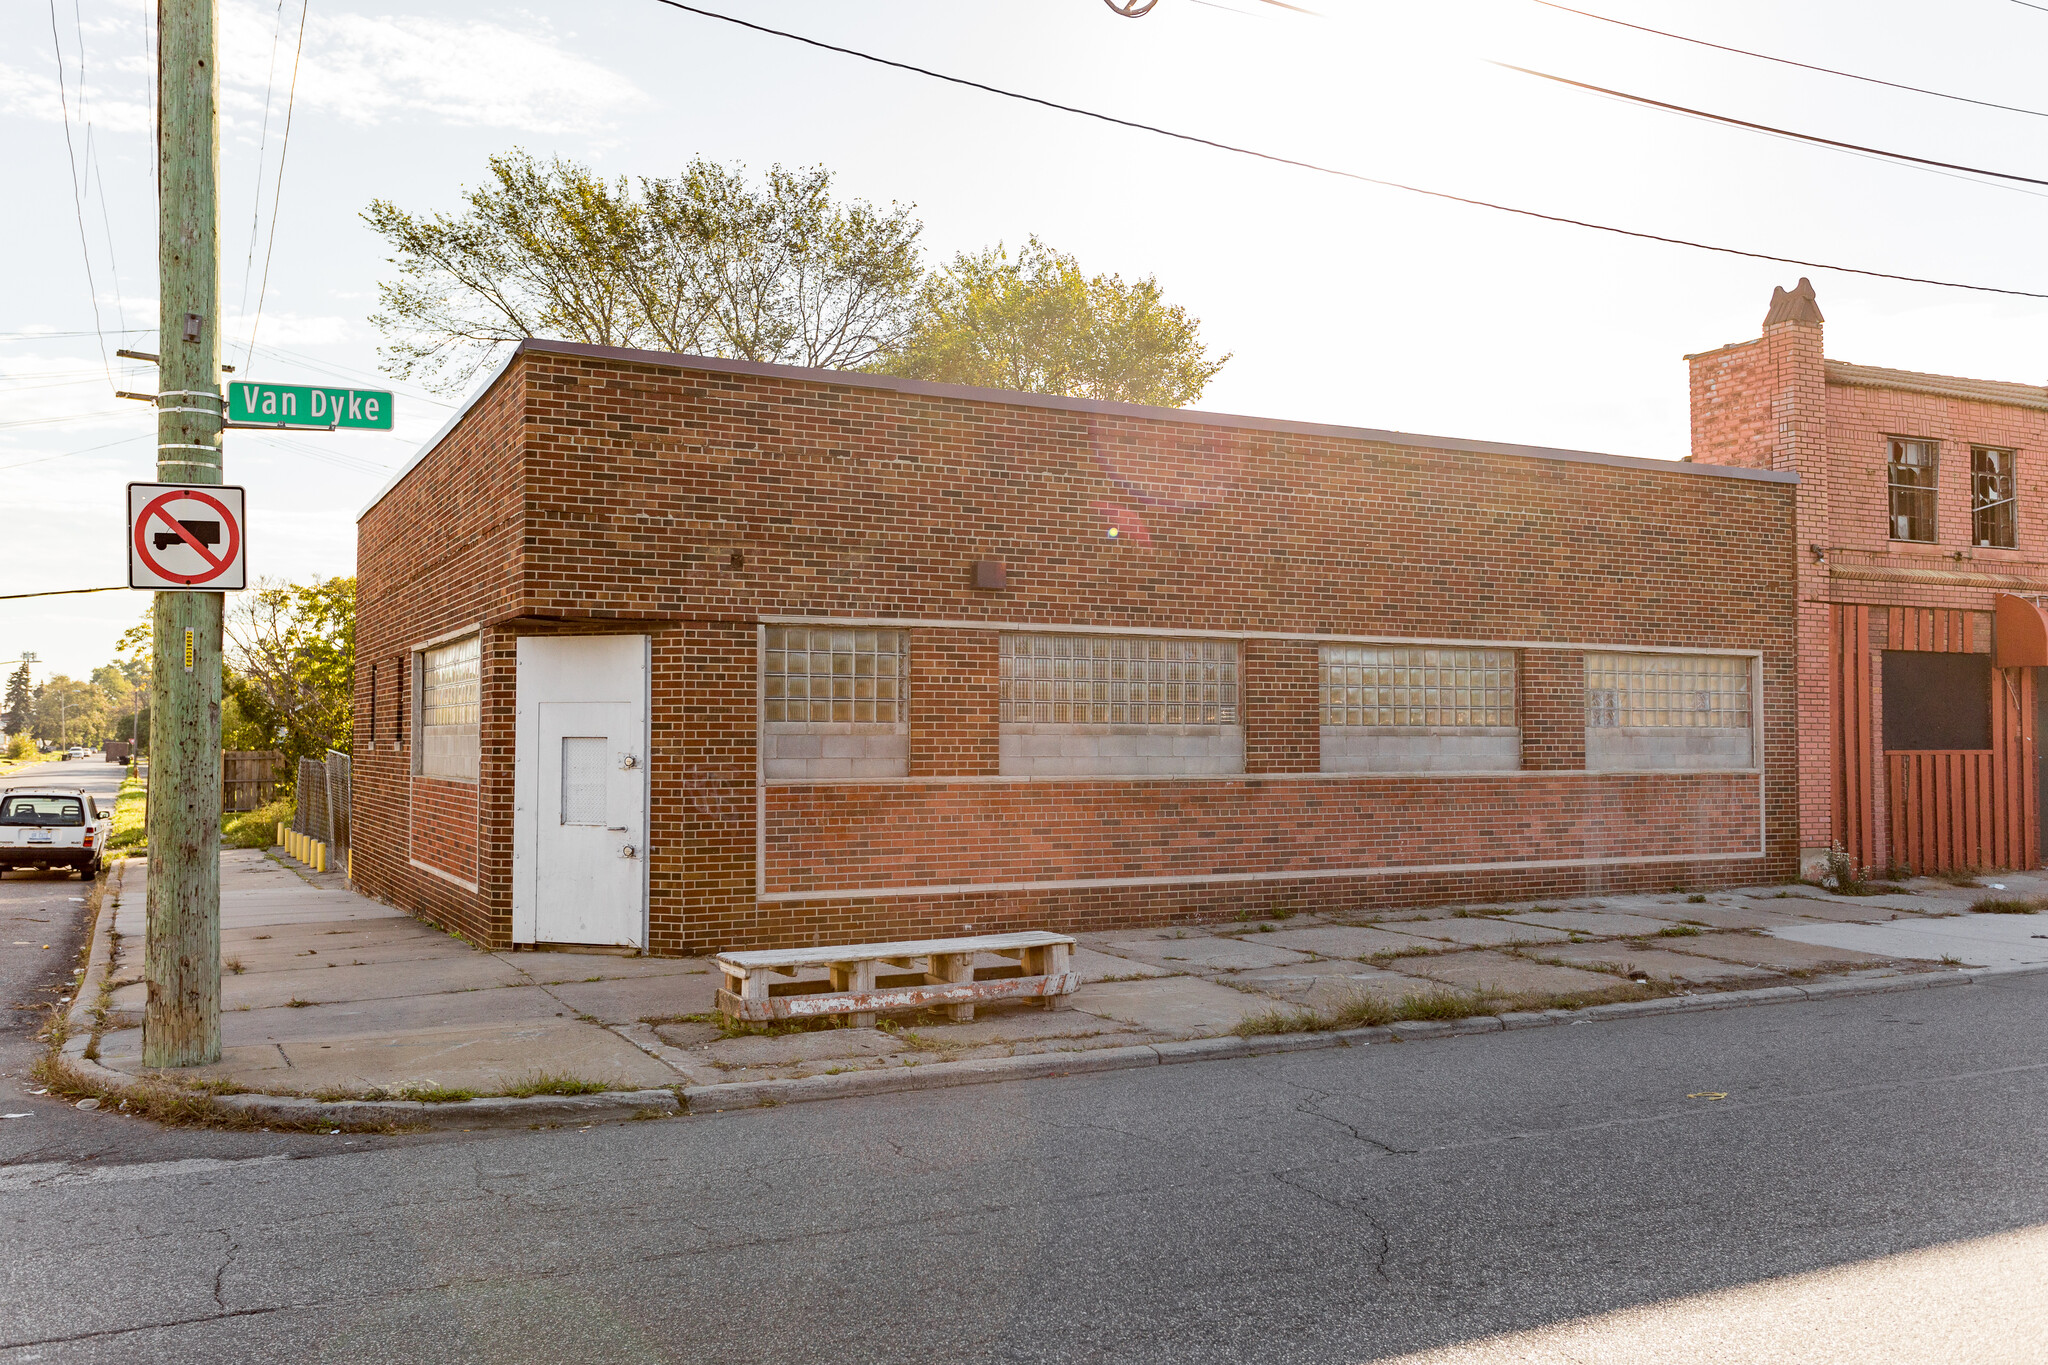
<point>315,406</point>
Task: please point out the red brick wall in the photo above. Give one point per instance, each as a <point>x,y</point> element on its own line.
<point>939,835</point>
<point>955,682</point>
<point>1553,700</point>
<point>641,480</point>
<point>444,826</point>
<point>1732,391</point>
<point>1282,706</point>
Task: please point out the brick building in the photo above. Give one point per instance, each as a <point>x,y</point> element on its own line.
<point>678,653</point>
<point>1922,553</point>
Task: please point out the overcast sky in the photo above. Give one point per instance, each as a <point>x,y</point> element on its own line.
<point>1339,302</point>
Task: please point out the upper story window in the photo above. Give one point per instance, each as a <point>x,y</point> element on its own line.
<point>824,675</point>
<point>1118,680</point>
<point>450,693</point>
<point>1911,473</point>
<point>1401,685</point>
<point>1991,497</point>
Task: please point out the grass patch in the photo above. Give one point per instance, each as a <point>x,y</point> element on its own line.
<point>1367,1011</point>
<point>194,1106</point>
<point>1678,931</point>
<point>1389,954</point>
<point>1696,899</point>
<point>131,817</point>
<point>436,1094</point>
<point>256,828</point>
<point>234,966</point>
<point>2006,905</point>
<point>297,1004</point>
<point>555,1083</point>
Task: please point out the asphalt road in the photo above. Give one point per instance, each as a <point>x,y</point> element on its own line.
<point>1334,1206</point>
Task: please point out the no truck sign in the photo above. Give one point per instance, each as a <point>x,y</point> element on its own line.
<point>187,536</point>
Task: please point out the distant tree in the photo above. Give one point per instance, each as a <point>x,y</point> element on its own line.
<point>19,714</point>
<point>69,711</point>
<point>705,262</point>
<point>1038,324</point>
<point>290,682</point>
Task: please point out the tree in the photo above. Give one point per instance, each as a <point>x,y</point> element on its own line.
<point>20,705</point>
<point>1039,325</point>
<point>69,711</point>
<point>702,262</point>
<point>291,653</point>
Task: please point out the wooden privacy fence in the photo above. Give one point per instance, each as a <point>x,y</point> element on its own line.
<point>248,778</point>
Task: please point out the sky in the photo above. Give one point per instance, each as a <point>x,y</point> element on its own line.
<point>1336,301</point>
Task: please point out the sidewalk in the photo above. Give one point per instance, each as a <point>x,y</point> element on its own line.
<point>333,996</point>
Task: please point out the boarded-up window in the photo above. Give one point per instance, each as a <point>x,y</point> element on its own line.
<point>449,691</point>
<point>1936,701</point>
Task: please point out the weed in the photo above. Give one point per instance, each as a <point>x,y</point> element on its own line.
<point>234,965</point>
<point>2006,905</point>
<point>296,1004</point>
<point>1389,954</point>
<point>555,1083</point>
<point>1678,931</point>
<point>1964,877</point>
<point>1696,900</point>
<point>436,1094</point>
<point>1265,928</point>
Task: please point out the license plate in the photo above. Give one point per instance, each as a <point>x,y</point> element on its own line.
<point>39,836</point>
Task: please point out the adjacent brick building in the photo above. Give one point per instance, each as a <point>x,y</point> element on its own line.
<point>1922,546</point>
<point>683,654</point>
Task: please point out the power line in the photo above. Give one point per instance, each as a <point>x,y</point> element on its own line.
<point>61,336</point>
<point>262,146</point>
<point>1775,132</point>
<point>1803,66</point>
<point>78,208</point>
<point>1328,170</point>
<point>277,189</point>
<point>59,592</point>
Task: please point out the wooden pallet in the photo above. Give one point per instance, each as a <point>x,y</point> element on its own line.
<point>925,974</point>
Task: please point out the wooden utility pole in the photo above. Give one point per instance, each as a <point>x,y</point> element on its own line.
<point>181,1021</point>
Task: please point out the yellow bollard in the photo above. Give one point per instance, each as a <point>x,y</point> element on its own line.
<point>319,856</point>
<point>280,833</point>
<point>348,865</point>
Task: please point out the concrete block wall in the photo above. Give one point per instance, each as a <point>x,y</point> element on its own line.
<point>1621,747</point>
<point>1049,750</point>
<point>795,749</point>
<point>1420,749</point>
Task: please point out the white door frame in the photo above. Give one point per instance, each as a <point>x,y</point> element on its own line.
<point>540,678</point>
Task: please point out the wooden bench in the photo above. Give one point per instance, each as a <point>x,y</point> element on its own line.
<point>928,974</point>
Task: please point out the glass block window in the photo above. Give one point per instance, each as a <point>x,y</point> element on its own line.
<point>1910,474</point>
<point>1991,497</point>
<point>1118,680</point>
<point>1402,685</point>
<point>820,674</point>
<point>449,678</point>
<point>1667,690</point>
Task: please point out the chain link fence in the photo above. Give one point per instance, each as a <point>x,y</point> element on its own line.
<point>323,802</point>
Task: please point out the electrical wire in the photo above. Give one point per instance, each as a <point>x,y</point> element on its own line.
<point>1787,61</point>
<point>1346,175</point>
<point>60,592</point>
<point>277,189</point>
<point>1775,132</point>
<point>78,207</point>
<point>262,147</point>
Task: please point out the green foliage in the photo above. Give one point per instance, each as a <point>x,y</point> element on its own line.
<point>131,817</point>
<point>19,714</point>
<point>1040,325</point>
<point>554,1083</point>
<point>290,680</point>
<point>20,747</point>
<point>256,828</point>
<point>704,262</point>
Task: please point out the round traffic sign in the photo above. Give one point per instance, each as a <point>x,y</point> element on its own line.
<point>154,515</point>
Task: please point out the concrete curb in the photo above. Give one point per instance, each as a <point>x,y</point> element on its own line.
<point>712,1099</point>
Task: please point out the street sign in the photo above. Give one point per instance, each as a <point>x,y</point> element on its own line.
<point>182,536</point>
<point>315,406</point>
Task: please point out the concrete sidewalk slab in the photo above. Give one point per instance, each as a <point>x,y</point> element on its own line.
<point>1776,954</point>
<point>1178,1005</point>
<point>1328,985</point>
<point>1203,950</point>
<point>1017,1023</point>
<point>1505,975</point>
<point>484,1060</point>
<point>331,985</point>
<point>1598,923</point>
<point>790,1048</point>
<point>1482,931</point>
<point>1355,942</point>
<point>1719,916</point>
<point>508,1005</point>
<point>1979,940</point>
<point>546,969</point>
<point>1847,911</point>
<point>1659,964</point>
<point>1099,966</point>
<point>630,999</point>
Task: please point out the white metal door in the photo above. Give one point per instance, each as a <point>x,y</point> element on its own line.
<point>592,825</point>
<point>580,791</point>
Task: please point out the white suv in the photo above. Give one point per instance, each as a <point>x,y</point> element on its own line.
<point>51,827</point>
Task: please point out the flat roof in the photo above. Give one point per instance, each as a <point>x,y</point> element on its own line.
<point>857,379</point>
